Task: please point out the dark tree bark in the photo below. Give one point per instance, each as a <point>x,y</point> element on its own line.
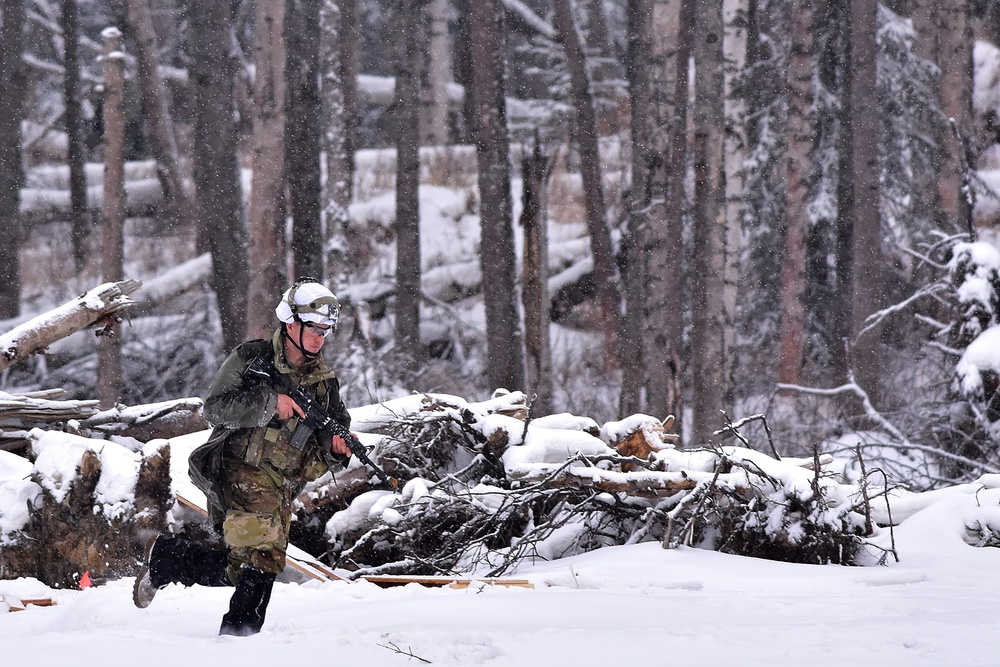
<point>12,83</point>
<point>535,172</point>
<point>409,62</point>
<point>337,143</point>
<point>798,154</point>
<point>657,67</point>
<point>302,139</point>
<point>605,274</point>
<point>267,200</point>
<point>505,342</point>
<point>859,239</point>
<point>162,139</point>
<point>644,161</point>
<point>711,348</point>
<point>79,215</point>
<point>944,31</point>
<point>663,334</point>
<point>109,367</point>
<point>216,163</point>
<point>861,214</point>
<point>350,62</point>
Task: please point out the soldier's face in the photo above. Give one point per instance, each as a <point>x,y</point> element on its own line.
<point>312,335</point>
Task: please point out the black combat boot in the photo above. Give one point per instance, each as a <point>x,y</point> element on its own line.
<point>248,604</point>
<point>175,560</point>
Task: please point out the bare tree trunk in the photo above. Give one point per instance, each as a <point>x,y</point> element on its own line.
<point>956,103</point>
<point>336,143</point>
<point>798,158</point>
<point>350,60</point>
<point>605,275</point>
<point>109,366</point>
<point>734,48</point>
<point>945,38</point>
<point>435,128</point>
<point>599,39</point>
<point>267,200</point>
<point>860,220</point>
<point>12,83</point>
<point>216,163</point>
<point>505,342</point>
<point>663,333</point>
<point>409,61</point>
<point>302,136</point>
<point>712,327</point>
<point>644,162</point>
<point>157,106</point>
<point>535,172</point>
<point>73,118</point>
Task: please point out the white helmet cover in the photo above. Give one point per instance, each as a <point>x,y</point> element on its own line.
<point>308,302</point>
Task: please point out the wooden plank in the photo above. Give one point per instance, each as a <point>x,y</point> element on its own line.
<point>39,602</point>
<point>390,580</point>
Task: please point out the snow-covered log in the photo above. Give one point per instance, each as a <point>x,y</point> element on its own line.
<point>104,301</point>
<point>89,504</point>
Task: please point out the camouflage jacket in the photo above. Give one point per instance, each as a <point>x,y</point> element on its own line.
<point>241,410</point>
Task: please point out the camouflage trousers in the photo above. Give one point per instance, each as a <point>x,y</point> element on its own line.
<point>258,516</point>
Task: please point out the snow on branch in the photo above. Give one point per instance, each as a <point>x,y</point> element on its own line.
<point>104,301</point>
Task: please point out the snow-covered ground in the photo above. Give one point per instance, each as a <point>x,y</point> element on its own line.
<point>634,605</point>
<point>629,605</point>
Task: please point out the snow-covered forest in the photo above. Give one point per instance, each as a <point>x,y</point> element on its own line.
<point>722,274</point>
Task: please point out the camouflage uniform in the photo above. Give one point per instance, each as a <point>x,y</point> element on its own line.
<point>257,474</point>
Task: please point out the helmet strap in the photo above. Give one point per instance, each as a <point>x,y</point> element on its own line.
<point>299,345</point>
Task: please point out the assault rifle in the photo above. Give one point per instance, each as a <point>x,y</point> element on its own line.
<point>316,419</point>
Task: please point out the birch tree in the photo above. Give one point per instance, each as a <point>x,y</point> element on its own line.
<point>434,123</point>
<point>338,84</point>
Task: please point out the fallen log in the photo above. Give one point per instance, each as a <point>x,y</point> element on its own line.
<point>104,301</point>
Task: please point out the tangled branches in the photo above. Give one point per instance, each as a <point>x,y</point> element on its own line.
<point>486,493</point>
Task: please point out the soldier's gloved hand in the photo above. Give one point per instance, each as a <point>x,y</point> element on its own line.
<point>339,447</point>
<point>287,408</point>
